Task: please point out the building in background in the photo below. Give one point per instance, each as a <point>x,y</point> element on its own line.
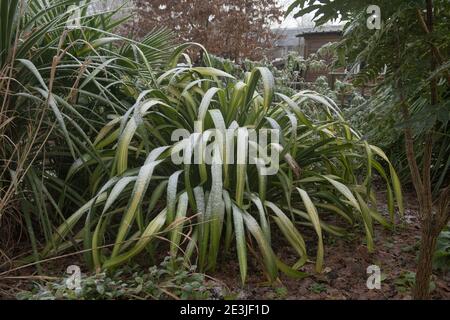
<point>304,40</point>
<point>315,38</point>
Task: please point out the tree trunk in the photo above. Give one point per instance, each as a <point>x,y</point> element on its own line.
<point>432,225</point>
<point>425,267</point>
<point>429,229</point>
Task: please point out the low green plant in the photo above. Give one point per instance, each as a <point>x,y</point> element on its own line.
<point>317,287</point>
<point>407,280</point>
<point>170,280</point>
<point>281,292</point>
<point>441,258</point>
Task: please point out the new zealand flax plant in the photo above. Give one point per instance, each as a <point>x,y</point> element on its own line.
<point>139,195</point>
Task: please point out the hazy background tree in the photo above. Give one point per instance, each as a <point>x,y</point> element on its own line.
<point>233,29</point>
